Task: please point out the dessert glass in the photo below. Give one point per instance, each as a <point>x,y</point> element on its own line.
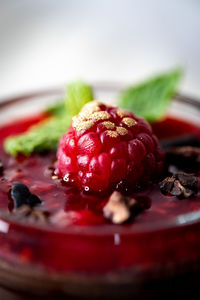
<point>109,261</point>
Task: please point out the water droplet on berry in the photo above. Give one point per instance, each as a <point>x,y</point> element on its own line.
<point>66,178</point>
<point>69,178</point>
<point>86,188</point>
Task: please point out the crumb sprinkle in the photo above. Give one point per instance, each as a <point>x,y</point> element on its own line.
<point>91,107</point>
<point>122,130</point>
<point>83,125</point>
<point>108,125</point>
<point>129,121</point>
<point>121,113</point>
<point>99,115</point>
<point>112,133</point>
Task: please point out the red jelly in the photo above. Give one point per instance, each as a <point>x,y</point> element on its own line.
<point>87,252</point>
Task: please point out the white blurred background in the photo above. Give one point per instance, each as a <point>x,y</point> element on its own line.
<point>45,43</point>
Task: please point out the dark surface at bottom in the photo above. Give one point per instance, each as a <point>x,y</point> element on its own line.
<point>184,294</point>
<point>185,286</point>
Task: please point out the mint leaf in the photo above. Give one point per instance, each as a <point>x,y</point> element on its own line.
<point>151,98</point>
<point>77,95</point>
<point>45,135</point>
<point>57,109</point>
<point>39,138</point>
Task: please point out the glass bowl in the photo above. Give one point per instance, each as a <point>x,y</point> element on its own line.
<point>109,262</point>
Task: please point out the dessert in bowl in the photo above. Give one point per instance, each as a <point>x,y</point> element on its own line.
<point>70,242</point>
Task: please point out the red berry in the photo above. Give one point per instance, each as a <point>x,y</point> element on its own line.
<point>106,146</point>
<point>100,164</point>
<point>109,138</point>
<point>83,161</point>
<point>118,169</point>
<point>119,150</point>
<point>147,140</point>
<point>89,144</point>
<point>136,150</point>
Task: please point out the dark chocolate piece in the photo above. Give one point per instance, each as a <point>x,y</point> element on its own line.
<point>22,196</point>
<point>181,185</point>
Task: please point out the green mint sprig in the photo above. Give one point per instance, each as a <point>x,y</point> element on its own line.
<point>45,135</point>
<point>151,98</point>
<point>77,95</point>
<point>39,138</point>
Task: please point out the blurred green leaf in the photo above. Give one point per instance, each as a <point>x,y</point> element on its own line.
<point>45,135</point>
<point>151,98</point>
<point>77,95</point>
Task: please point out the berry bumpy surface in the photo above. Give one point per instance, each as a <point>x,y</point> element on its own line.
<point>107,146</point>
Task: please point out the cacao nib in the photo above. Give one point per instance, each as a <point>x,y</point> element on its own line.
<point>21,195</point>
<point>181,185</point>
<point>120,208</point>
<point>30,214</point>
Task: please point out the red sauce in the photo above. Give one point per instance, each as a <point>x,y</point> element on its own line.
<point>20,126</point>
<point>78,251</point>
<point>36,172</point>
<point>171,127</point>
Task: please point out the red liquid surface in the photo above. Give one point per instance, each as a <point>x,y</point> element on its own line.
<point>93,244</point>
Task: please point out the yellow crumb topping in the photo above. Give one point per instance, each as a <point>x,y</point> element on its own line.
<point>129,121</point>
<point>108,125</point>
<point>121,130</point>
<point>112,134</point>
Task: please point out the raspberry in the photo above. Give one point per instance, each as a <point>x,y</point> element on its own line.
<point>107,147</point>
